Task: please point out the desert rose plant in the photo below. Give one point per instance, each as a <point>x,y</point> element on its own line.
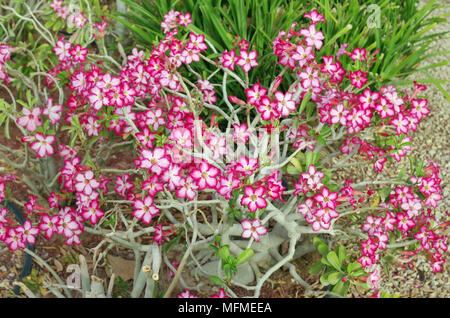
<point>231,189</point>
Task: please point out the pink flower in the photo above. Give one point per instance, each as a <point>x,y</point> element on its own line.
<point>92,212</point>
<point>190,55</point>
<point>372,225</point>
<point>78,53</point>
<point>123,185</point>
<point>68,226</point>
<point>374,278</point>
<point>368,247</point>
<point>285,103</point>
<point>267,109</point>
<point>85,182</point>
<point>229,59</point>
<point>253,229</point>
<point>326,199</point>
<point>253,198</point>
<point>244,44</point>
<point>182,137</point>
<point>401,124</point>
<point>247,60</point>
<point>255,93</point>
<point>307,209</point>
<point>156,161</point>
<point>49,225</point>
<point>31,204</point>
<point>318,222</point>
<point>437,266</point>
<point>169,79</point>
<point>42,145</point>
<point>53,111</point>
<point>30,119</point>
<point>196,42</point>
<point>359,54</point>
<point>78,19</point>
<point>28,232</point>
<point>184,19</point>
<point>310,78</point>
<point>328,66</point>
<point>326,214</point>
<point>145,210</point>
<point>158,233</point>
<point>187,188</point>
<point>241,134</point>
<point>205,176</point>
<point>14,240</point>
<point>62,49</point>
<point>220,295</point>
<point>98,98</point>
<point>368,98</point>
<point>358,79</point>
<point>152,185</point>
<point>419,108</point>
<point>385,108</point>
<point>226,185</point>
<point>313,37</point>
<point>302,55</point>
<point>314,16</point>
<point>404,222</point>
<point>339,114</point>
<point>247,166</point>
<point>186,294</point>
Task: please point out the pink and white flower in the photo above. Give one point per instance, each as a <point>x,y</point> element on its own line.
<point>253,229</point>
<point>247,60</point>
<point>31,119</point>
<point>43,145</point>
<point>254,198</point>
<point>85,182</point>
<point>144,209</point>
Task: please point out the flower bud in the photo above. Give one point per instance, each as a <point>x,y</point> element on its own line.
<point>236,100</point>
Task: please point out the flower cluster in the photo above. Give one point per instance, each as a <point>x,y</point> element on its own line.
<point>74,16</point>
<point>320,209</point>
<point>5,55</point>
<point>406,214</point>
<point>247,60</point>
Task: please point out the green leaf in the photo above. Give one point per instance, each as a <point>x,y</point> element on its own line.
<point>2,117</point>
<point>334,277</point>
<point>333,259</point>
<point>324,261</point>
<point>341,288</point>
<point>342,254</point>
<point>320,245</point>
<point>305,100</point>
<point>296,164</point>
<point>216,280</point>
<point>359,272</point>
<point>316,268</point>
<point>245,256</point>
<point>292,170</point>
<point>323,249</point>
<point>353,266</point>
<point>324,279</point>
<point>384,193</point>
<point>224,252</point>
